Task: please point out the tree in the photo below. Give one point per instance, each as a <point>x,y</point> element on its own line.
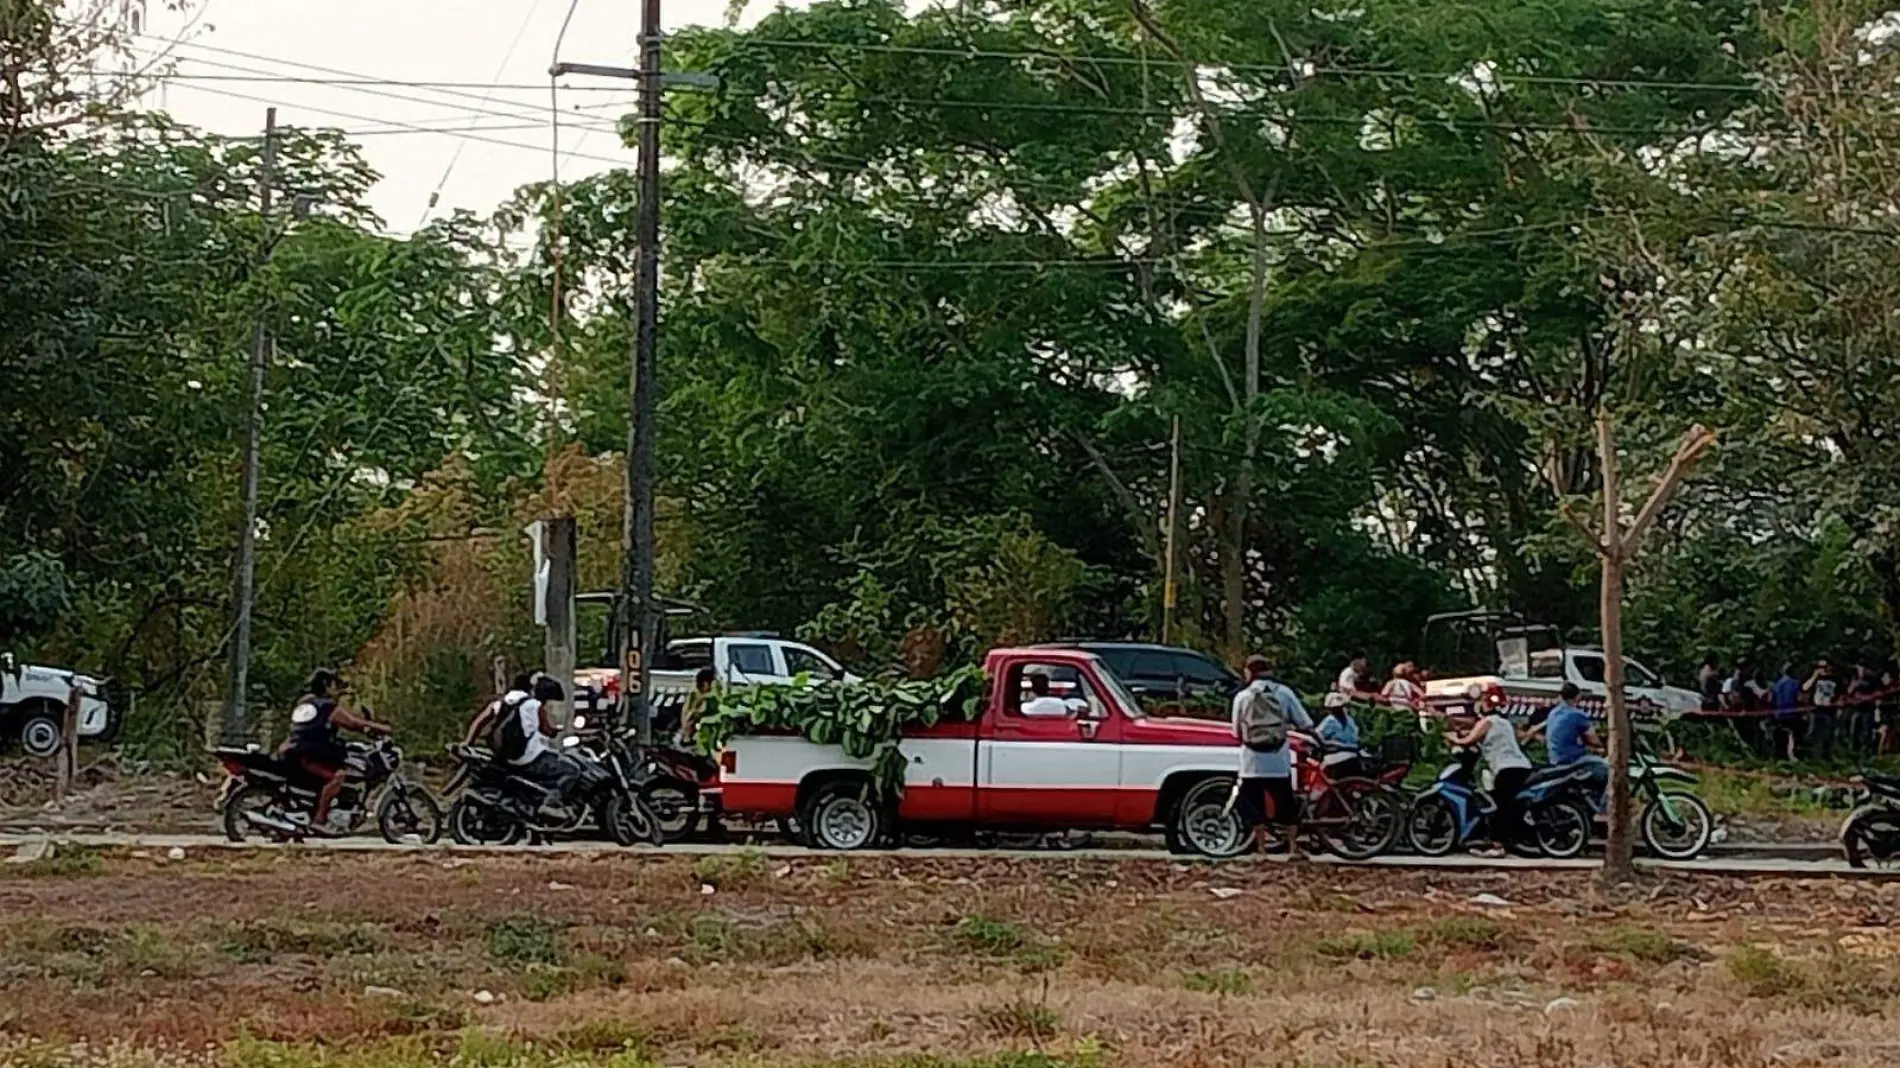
<point>1616,544</point>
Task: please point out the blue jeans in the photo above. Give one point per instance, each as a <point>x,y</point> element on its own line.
<point>1599,769</point>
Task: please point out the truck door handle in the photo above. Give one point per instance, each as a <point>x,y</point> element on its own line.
<point>1088,728</point>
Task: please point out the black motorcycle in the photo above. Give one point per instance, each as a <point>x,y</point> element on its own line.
<point>500,806</point>
<point>1871,833</point>
<point>275,799</point>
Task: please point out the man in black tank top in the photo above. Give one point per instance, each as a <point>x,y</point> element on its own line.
<point>316,742</point>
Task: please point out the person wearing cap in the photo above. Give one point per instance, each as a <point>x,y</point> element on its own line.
<point>316,741</point>
<point>1339,733</point>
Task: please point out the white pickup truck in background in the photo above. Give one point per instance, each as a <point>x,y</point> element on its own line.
<point>33,706</point>
<point>735,659</point>
<point>1531,664</point>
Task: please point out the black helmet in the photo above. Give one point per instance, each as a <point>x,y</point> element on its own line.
<point>546,689</point>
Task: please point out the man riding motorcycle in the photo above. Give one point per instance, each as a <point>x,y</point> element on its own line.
<point>316,743</point>
<point>518,728</point>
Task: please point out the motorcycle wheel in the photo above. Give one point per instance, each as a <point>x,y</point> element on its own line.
<point>409,816</point>
<point>1872,840</point>
<point>473,822</point>
<point>628,821</point>
<point>1361,819</point>
<point>243,801</point>
<point>1562,829</point>
<point>1683,837</point>
<point>1431,827</point>
<point>676,808</point>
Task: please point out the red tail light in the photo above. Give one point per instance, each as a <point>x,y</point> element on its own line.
<point>729,761</point>
<point>232,768</point>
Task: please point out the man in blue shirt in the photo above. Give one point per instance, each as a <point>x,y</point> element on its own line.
<point>1786,698</point>
<point>1571,739</point>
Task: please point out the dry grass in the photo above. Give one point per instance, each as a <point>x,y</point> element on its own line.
<point>556,962</point>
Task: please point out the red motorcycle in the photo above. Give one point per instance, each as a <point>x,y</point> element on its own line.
<point>1357,815</point>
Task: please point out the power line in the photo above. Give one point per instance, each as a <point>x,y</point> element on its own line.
<point>340,82</point>
<point>435,195</point>
<point>1242,65</point>
<point>402,125</point>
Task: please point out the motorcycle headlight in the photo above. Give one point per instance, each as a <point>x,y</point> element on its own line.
<point>570,742</point>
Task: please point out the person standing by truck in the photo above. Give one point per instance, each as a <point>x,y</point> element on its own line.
<point>1264,711</point>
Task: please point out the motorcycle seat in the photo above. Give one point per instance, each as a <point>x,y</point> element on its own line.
<point>1549,774</point>
<point>1886,785</point>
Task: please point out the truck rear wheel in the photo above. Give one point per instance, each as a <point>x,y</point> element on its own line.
<point>843,816</point>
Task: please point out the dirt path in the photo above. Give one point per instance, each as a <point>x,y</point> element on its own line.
<point>728,958</point>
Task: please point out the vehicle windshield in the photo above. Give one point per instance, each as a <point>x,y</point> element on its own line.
<point>1637,675</point>
<point>1115,686</point>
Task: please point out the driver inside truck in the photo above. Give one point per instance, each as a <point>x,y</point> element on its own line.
<point>1041,701</point>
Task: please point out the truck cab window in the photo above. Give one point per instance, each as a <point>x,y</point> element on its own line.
<point>1050,690</point>
<point>690,656</point>
<point>753,660</point>
<point>1590,668</point>
<point>805,662</point>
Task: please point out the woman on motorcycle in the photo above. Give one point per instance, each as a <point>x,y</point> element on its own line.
<point>316,742</point>
<point>1496,739</point>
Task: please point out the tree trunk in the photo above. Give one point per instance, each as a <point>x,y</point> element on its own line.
<point>1619,849</point>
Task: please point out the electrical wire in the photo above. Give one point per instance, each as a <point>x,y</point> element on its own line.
<point>412,127</point>
<point>1242,65</point>
<point>435,195</point>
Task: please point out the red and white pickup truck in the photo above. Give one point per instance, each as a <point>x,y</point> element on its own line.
<point>1097,763</point>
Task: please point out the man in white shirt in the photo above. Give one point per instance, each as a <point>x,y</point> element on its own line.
<point>1041,701</point>
<point>1267,792</point>
<point>1355,679</point>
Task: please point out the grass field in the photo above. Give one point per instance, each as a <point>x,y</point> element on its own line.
<point>282,960</point>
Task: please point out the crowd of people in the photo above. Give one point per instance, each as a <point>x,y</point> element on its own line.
<point>1818,714</point>
<point>1265,711</point>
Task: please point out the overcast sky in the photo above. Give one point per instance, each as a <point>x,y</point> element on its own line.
<point>476,41</point>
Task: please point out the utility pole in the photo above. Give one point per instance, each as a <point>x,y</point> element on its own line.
<point>636,570</point>
<point>236,721</point>
<point>1170,588</point>
<point>637,615</point>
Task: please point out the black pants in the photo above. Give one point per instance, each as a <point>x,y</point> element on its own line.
<point>1264,801</point>
<point>1506,786</point>
<point>551,770</point>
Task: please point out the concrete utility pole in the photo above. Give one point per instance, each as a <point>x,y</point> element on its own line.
<point>236,721</point>
<point>556,538</point>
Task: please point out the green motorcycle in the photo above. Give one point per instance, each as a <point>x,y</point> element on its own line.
<point>1675,824</point>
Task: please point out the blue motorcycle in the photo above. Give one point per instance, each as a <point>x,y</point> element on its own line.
<point>1453,811</point>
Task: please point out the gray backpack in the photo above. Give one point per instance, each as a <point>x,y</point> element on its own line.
<point>1263,722</point>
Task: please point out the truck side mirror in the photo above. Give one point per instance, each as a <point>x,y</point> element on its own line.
<point>1078,708</point>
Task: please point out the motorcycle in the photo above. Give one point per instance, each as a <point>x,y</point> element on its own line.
<point>1871,833</point>
<point>1356,817</point>
<point>500,806</point>
<point>1454,811</point>
<point>1675,824</point>
<point>681,790</point>
<point>273,798</point>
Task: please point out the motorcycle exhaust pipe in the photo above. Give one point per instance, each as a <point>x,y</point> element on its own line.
<point>272,823</point>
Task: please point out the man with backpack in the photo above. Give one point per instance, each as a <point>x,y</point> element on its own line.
<point>1264,712</point>
<point>516,728</point>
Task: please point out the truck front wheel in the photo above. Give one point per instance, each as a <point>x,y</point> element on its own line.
<point>1205,822</point>
<point>843,816</point>
<point>40,733</point>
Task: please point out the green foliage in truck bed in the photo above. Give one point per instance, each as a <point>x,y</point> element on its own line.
<point>866,719</point>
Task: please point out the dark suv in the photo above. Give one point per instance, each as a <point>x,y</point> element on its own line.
<point>1168,680</point>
